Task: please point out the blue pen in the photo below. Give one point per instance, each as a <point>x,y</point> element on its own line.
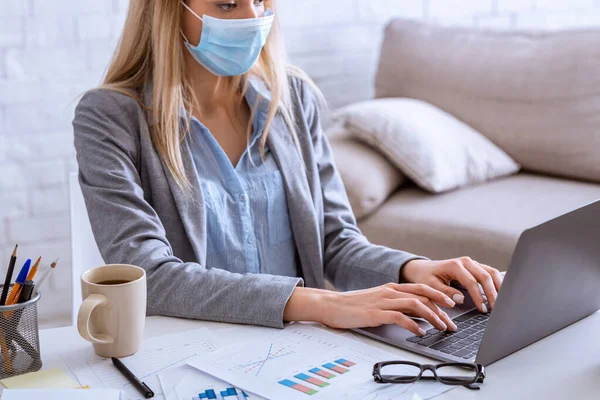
<point>16,290</point>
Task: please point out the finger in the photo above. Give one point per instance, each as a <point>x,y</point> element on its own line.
<point>453,293</point>
<point>397,318</point>
<point>496,275</point>
<point>443,316</point>
<point>426,291</point>
<point>415,307</point>
<point>485,284</point>
<point>461,274</point>
<point>484,278</point>
<point>430,304</point>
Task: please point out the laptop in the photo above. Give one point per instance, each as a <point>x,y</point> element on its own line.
<point>553,281</point>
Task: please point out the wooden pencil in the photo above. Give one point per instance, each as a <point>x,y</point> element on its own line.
<point>9,274</point>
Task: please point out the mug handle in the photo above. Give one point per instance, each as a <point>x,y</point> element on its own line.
<point>83,319</point>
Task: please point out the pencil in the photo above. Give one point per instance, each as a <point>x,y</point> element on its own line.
<point>9,274</point>
<point>8,365</point>
<point>33,270</point>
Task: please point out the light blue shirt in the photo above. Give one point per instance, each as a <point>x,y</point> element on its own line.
<point>248,222</point>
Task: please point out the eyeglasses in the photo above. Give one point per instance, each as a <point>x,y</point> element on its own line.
<point>454,373</point>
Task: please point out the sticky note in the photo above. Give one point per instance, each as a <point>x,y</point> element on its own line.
<point>53,378</point>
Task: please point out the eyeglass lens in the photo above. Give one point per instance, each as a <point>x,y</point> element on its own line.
<point>400,371</point>
<point>447,374</point>
<point>452,374</point>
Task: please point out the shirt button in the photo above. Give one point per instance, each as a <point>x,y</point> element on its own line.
<point>242,197</point>
<point>250,239</point>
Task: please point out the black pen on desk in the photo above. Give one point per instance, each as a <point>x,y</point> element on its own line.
<point>139,385</point>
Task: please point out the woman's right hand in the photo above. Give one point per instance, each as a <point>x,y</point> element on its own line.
<point>392,303</point>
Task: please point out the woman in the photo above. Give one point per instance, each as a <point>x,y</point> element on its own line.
<point>202,159</point>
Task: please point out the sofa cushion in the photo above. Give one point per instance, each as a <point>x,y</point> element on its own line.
<point>535,94</point>
<point>431,147</point>
<point>483,222</point>
<point>368,177</point>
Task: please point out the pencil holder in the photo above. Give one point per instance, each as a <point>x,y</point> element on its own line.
<point>19,338</point>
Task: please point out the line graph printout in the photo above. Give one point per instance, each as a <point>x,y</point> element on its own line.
<point>254,367</point>
<point>306,362</point>
<point>155,355</point>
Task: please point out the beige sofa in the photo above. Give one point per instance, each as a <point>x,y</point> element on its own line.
<point>535,95</point>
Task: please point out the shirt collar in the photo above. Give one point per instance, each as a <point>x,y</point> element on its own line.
<point>256,91</point>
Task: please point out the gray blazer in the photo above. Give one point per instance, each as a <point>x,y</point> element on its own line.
<point>140,216</point>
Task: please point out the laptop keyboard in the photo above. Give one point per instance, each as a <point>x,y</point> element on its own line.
<point>464,342</point>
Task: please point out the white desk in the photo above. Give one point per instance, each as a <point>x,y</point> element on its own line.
<point>565,365</point>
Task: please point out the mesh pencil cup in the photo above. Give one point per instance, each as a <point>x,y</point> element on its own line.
<point>19,338</point>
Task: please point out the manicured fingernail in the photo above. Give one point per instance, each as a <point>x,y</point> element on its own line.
<point>484,308</point>
<point>459,298</point>
<point>450,302</point>
<point>453,326</point>
<point>422,332</point>
<point>443,325</point>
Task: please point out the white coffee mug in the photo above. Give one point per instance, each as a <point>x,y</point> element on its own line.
<point>113,311</point>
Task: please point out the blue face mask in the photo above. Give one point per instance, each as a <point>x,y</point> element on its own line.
<point>230,47</point>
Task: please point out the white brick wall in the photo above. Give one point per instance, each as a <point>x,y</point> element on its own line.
<point>51,51</point>
<point>377,11</point>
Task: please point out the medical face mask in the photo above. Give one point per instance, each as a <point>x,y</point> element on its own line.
<point>230,47</point>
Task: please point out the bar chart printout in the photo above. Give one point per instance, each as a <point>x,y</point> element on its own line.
<point>306,362</point>
<point>323,373</point>
<point>187,383</point>
<point>345,362</point>
<point>335,368</point>
<point>297,386</point>
<point>314,380</point>
<point>227,394</point>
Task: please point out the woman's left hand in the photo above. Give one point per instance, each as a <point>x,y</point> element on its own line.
<point>470,273</point>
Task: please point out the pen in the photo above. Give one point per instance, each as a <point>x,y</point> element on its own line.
<point>46,274</point>
<point>30,276</point>
<point>24,296</point>
<point>21,278</point>
<point>139,385</point>
<point>9,273</point>
<point>26,291</point>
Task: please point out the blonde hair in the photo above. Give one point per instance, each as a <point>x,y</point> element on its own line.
<point>151,50</point>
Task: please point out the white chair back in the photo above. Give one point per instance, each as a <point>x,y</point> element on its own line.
<point>84,249</point>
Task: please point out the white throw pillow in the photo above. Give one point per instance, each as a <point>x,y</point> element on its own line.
<point>536,94</point>
<point>433,148</point>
